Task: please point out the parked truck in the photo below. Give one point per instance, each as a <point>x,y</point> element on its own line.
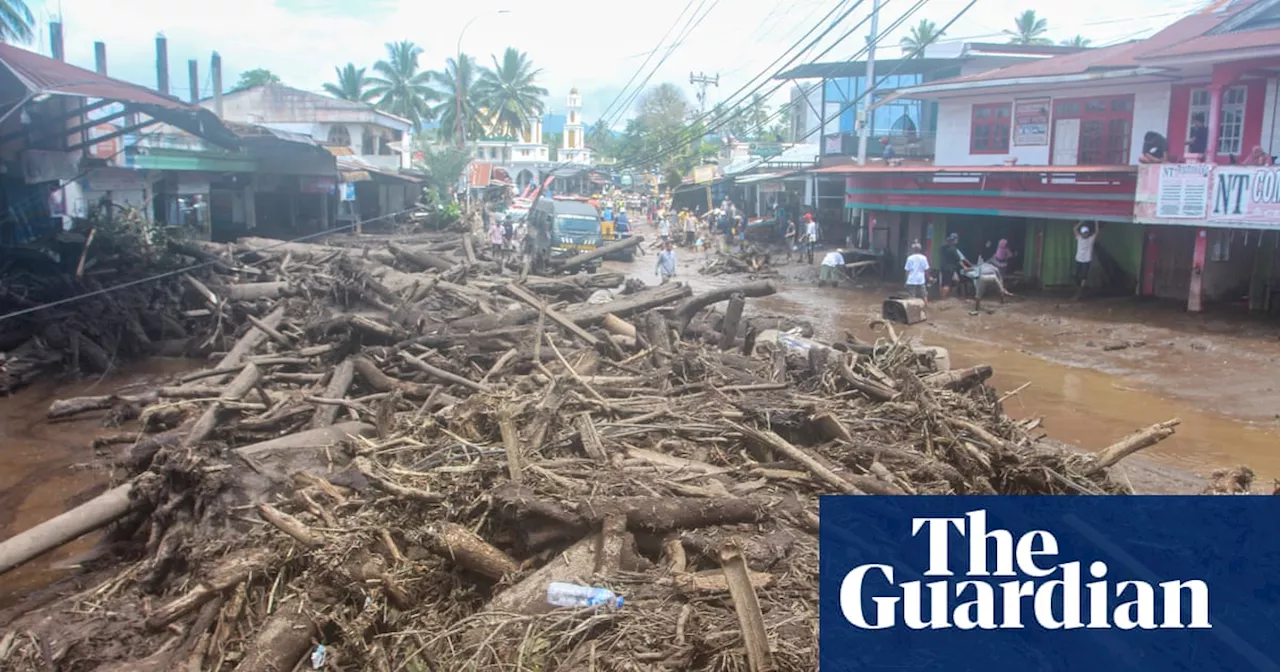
<point>559,228</point>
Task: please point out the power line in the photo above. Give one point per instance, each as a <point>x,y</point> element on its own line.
<point>689,29</point>
<point>733,112</point>
<point>605,114</point>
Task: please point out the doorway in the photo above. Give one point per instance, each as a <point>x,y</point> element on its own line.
<point>1066,142</point>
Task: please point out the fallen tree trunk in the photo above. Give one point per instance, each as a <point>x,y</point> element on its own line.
<point>281,642</point>
<point>1144,439</point>
<point>57,531</point>
<point>252,291</point>
<point>686,310</point>
<point>246,345</point>
<point>459,544</point>
<point>599,253</point>
<point>960,378</point>
<point>421,261</point>
<point>242,384</point>
<point>343,374</point>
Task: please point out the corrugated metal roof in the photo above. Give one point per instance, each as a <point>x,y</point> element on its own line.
<point>340,150</point>
<point>40,74</point>
<point>481,174</point>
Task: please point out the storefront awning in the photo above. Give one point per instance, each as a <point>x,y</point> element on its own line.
<point>764,177</point>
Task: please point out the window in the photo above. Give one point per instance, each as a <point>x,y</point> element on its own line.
<point>1106,128</point>
<point>366,143</point>
<point>338,135</point>
<point>989,131</point>
<point>1230,122</point>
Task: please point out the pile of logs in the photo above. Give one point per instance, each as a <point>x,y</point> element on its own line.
<point>398,448</point>
<point>752,260</point>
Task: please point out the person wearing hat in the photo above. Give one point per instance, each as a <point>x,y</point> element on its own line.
<point>832,268</point>
<point>953,262</point>
<point>1086,235</point>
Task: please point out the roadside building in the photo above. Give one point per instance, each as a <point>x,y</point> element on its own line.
<point>829,99</point>
<point>527,158</point>
<point>370,144</point>
<point>1027,151</point>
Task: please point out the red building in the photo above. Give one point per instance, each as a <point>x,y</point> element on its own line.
<point>1025,152</point>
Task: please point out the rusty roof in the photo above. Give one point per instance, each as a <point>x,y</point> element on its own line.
<point>41,74</point>
<point>1186,35</point>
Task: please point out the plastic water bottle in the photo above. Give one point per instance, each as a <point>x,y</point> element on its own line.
<point>573,595</point>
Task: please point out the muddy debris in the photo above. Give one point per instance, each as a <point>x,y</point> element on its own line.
<point>753,260</point>
<point>398,448</point>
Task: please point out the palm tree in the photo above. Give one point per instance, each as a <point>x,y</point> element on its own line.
<point>1029,29</point>
<point>401,88</point>
<point>15,21</point>
<point>1079,42</point>
<point>922,35</point>
<point>451,103</point>
<point>509,92</point>
<point>352,85</point>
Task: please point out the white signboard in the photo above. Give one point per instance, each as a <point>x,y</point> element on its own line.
<point>1246,195</point>
<point>1183,191</point>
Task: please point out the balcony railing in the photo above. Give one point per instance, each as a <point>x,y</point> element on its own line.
<point>905,144</point>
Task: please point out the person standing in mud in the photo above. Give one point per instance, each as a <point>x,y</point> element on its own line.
<point>789,238</point>
<point>1086,236</point>
<point>810,237</point>
<point>917,269</point>
<point>496,239</point>
<point>666,268</point>
<point>953,262</point>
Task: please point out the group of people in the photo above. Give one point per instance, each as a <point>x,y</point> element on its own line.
<point>1155,148</point>
<point>505,236</point>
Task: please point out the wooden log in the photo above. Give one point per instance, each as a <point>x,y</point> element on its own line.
<point>290,526</point>
<point>511,443</point>
<point>1146,438</point>
<point>732,316</point>
<point>247,344</point>
<point>659,514</point>
<point>659,335</point>
<point>280,643</point>
<point>206,293</point>
<point>750,619</point>
<point>252,291</point>
<point>616,325</point>
<point>466,548</point>
<point>626,306</point>
<point>960,378</point>
<point>65,408</point>
<point>381,382</point>
<point>419,260</point>
<point>343,374</point>
<point>685,312</point>
<point>819,470</point>
<point>441,373</point>
<point>258,454</point>
<point>555,315</point>
<point>60,529</point>
<point>469,248</point>
<point>243,383</point>
<point>870,388</point>
<point>270,331</point>
<point>579,260</point>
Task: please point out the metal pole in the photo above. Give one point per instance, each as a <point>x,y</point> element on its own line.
<point>870,83</point>
<point>460,129</point>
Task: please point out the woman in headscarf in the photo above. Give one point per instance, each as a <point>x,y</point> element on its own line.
<point>1002,255</point>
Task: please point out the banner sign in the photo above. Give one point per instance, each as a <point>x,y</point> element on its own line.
<point>1031,122</point>
<point>1232,197</point>
<point>1141,584</point>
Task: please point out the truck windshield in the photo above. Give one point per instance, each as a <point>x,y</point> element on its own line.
<point>577,224</point>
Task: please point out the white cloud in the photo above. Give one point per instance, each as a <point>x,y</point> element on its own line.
<point>594,46</point>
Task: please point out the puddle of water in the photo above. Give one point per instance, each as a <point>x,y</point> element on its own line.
<point>44,466</point>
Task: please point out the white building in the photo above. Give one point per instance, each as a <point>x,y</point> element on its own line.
<point>527,157</point>
<point>376,137</point>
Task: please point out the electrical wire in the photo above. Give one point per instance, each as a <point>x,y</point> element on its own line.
<point>733,111</point>
<point>670,51</point>
<point>605,114</point>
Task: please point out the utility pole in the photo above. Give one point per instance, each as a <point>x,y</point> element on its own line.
<point>865,108</point>
<point>701,80</point>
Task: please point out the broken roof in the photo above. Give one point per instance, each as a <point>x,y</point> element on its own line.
<point>43,75</point>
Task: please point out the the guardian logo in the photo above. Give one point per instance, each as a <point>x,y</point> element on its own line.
<point>1012,583</point>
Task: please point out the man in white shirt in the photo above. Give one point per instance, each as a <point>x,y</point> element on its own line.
<point>1086,236</point>
<point>917,269</point>
<point>832,268</point>
<point>810,236</point>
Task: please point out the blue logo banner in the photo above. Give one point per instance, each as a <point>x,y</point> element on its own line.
<point>1050,583</point>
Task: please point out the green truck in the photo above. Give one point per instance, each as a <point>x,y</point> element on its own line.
<point>561,228</point>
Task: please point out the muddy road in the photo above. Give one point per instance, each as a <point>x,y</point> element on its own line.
<point>1098,369</point>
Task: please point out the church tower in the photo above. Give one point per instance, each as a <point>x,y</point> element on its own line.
<point>574,138</point>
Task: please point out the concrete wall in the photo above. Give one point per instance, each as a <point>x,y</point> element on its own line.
<point>1150,113</point>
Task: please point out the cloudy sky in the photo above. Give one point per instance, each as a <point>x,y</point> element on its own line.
<point>597,47</point>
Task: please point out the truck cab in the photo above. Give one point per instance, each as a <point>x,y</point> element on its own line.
<point>561,228</point>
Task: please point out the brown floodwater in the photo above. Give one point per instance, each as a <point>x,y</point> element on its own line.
<point>48,467</point>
